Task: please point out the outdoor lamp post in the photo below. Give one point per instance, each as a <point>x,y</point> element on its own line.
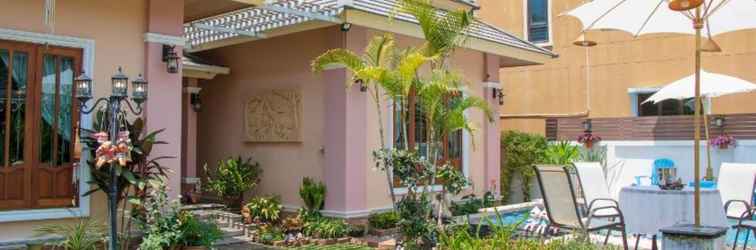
<point>118,96</point>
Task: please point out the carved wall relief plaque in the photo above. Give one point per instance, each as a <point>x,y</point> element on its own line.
<point>274,116</point>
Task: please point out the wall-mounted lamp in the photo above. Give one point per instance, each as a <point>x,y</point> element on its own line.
<point>587,125</point>
<point>346,27</point>
<point>195,101</point>
<point>171,59</point>
<point>718,122</point>
<point>497,93</point>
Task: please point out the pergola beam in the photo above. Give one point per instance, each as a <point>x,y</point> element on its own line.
<point>296,12</point>
<point>228,30</point>
<point>250,2</point>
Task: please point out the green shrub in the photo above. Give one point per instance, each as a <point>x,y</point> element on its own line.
<point>265,209</point>
<point>521,151</point>
<point>313,194</point>
<point>83,235</point>
<point>269,234</point>
<point>385,220</point>
<point>469,205</point>
<point>233,177</point>
<point>326,228</point>
<point>561,153</point>
<point>198,233</point>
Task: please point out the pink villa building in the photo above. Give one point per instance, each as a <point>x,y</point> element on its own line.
<point>245,88</point>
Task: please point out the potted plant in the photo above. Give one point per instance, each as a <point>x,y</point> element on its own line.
<point>262,210</point>
<point>196,234</point>
<point>723,141</point>
<point>588,139</point>
<point>232,178</point>
<point>84,235</point>
<point>383,224</point>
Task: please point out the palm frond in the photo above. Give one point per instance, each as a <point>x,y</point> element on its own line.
<point>443,30</point>
<point>381,51</point>
<point>341,57</point>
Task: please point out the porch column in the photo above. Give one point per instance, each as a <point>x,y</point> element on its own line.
<point>346,147</point>
<point>492,130</point>
<point>189,146</point>
<point>165,26</point>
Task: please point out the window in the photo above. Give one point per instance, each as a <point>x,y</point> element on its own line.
<point>537,21</point>
<point>452,151</point>
<point>665,108</point>
<point>37,115</point>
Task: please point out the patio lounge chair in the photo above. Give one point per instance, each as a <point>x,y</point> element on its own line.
<point>747,223</point>
<point>561,204</point>
<point>595,190</point>
<point>736,184</point>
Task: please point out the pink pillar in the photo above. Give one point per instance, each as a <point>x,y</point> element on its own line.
<point>346,147</point>
<point>165,19</point>
<point>492,143</point>
<point>189,135</point>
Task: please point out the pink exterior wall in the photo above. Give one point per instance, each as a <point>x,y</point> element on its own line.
<point>491,130</point>
<point>276,63</point>
<point>117,28</point>
<point>165,89</point>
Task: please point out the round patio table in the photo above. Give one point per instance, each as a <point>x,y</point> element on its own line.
<point>647,209</point>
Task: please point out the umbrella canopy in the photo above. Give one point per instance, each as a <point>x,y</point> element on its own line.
<point>640,17</point>
<point>712,85</point>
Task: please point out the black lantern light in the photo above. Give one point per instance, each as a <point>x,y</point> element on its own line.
<point>120,84</point>
<point>587,125</point>
<point>83,85</point>
<point>196,102</point>
<point>345,27</point>
<point>498,94</point>
<point>363,85</point>
<point>139,93</point>
<point>171,59</point>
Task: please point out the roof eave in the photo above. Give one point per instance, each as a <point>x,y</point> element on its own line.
<point>511,56</point>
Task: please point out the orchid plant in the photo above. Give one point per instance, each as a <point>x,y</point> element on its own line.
<point>588,139</point>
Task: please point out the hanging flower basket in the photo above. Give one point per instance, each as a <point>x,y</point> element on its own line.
<point>723,142</point>
<point>588,139</point>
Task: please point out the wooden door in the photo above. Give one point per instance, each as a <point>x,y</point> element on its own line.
<point>54,119</point>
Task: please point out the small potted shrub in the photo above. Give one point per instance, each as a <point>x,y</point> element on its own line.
<point>262,210</point>
<point>588,139</point>
<point>196,234</point>
<point>723,141</point>
<point>383,224</point>
<point>232,178</point>
<point>327,230</point>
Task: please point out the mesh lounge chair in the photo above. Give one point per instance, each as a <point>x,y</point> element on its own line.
<point>747,223</point>
<point>560,202</point>
<point>736,183</point>
<point>595,189</point>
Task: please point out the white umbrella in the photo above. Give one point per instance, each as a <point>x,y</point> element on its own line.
<point>672,16</point>
<point>712,85</point>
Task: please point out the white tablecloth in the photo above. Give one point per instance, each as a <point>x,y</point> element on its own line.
<point>647,209</point>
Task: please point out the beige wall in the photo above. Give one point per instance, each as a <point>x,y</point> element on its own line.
<point>117,27</point>
<point>281,62</point>
<point>619,62</point>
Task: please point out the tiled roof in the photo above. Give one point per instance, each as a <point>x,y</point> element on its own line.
<point>255,21</point>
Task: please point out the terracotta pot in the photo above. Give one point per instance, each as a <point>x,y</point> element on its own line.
<point>589,144</point>
<point>194,248</point>
<point>723,146</point>
<point>194,197</point>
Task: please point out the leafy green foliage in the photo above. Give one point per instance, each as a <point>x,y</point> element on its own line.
<point>326,228</point>
<point>472,204</point>
<point>233,177</point>
<point>196,232</point>
<point>521,152</point>
<point>265,209</point>
<point>161,222</point>
<point>594,154</point>
<point>83,235</point>
<point>313,194</point>
<point>452,179</point>
<point>270,233</point>
<point>385,220</point>
<point>561,153</point>
<point>414,225</point>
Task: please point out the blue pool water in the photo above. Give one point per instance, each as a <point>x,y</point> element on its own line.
<point>517,217</point>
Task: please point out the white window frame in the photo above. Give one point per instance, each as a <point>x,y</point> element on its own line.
<point>466,142</point>
<point>634,92</point>
<point>526,22</point>
<point>83,210</point>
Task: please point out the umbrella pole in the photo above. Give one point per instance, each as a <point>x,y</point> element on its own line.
<point>698,25</point>
<point>709,176</point>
